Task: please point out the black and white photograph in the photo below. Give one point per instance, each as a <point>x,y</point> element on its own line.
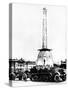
<point>37,44</point>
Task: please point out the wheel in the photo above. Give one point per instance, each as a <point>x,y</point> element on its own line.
<point>12,76</point>
<point>34,78</point>
<point>25,77</point>
<point>57,78</point>
<point>31,78</point>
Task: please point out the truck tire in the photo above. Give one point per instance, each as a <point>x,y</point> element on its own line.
<point>57,78</point>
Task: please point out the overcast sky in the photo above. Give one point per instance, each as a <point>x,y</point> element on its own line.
<point>27,31</point>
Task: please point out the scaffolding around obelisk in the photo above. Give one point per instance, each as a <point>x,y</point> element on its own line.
<point>45,56</point>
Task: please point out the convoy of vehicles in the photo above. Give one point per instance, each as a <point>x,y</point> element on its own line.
<point>38,73</point>
<point>48,75</point>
